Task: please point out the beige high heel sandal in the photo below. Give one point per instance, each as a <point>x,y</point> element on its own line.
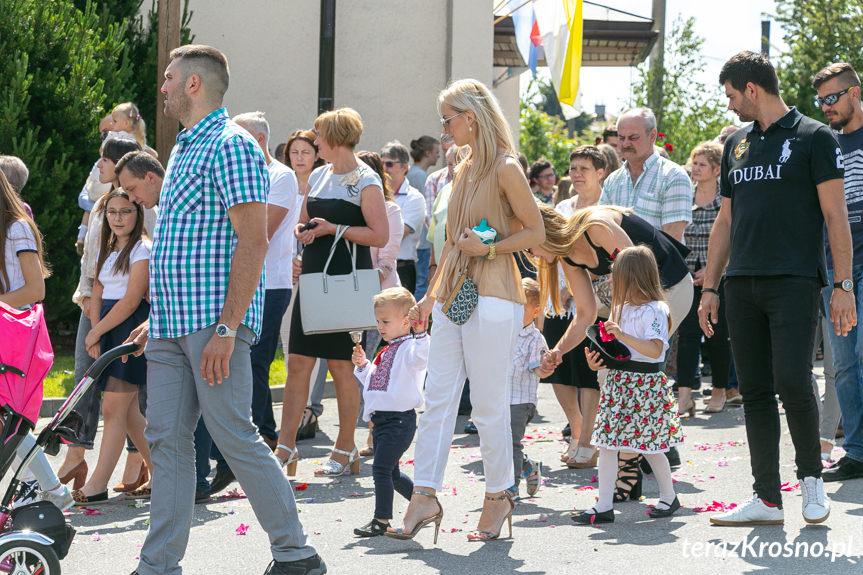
<point>436,519</point>
<point>477,535</point>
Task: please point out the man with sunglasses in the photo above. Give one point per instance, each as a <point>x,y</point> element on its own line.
<point>781,183</point>
<point>838,88</point>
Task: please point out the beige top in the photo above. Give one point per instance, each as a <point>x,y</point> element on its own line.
<point>470,203</point>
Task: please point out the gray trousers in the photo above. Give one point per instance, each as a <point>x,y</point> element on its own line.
<point>178,394</point>
<point>828,407</point>
<point>520,415</point>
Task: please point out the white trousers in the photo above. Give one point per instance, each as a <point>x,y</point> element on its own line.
<point>481,350</point>
<point>679,300</point>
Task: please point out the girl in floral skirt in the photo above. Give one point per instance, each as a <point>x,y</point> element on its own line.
<point>637,410</point>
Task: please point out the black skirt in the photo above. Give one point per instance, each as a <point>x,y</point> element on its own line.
<point>134,370</point>
<point>573,370</point>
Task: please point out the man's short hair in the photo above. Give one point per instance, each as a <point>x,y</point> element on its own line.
<point>206,62</point>
<point>842,70</point>
<point>748,67</point>
<point>592,153</point>
<point>138,164</point>
<point>646,114</point>
<point>539,167</point>
<point>397,150</point>
<point>399,297</point>
<point>341,127</point>
<point>609,132</point>
<point>256,123</point>
<point>16,172</point>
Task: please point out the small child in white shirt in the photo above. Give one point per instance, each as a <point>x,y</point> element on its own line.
<point>526,373</point>
<point>392,390</point>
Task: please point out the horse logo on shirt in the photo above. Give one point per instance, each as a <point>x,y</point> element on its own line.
<point>786,151</point>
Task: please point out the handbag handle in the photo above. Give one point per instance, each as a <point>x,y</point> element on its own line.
<point>340,231</point>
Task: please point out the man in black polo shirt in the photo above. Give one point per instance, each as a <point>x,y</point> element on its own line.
<point>781,182</point>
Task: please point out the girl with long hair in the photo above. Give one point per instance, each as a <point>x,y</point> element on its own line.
<point>637,410</point>
<point>117,306</point>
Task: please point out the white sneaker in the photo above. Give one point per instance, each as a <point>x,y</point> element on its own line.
<point>816,506</point>
<point>753,512</point>
<point>59,497</point>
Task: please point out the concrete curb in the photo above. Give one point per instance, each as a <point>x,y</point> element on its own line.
<point>50,405</point>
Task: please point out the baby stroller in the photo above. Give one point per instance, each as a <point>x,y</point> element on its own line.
<point>34,537</point>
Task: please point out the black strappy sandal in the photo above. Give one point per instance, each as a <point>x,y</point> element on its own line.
<point>308,425</point>
<point>629,479</point>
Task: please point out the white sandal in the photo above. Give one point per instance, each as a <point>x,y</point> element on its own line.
<point>290,464</point>
<point>332,467</point>
<point>584,457</point>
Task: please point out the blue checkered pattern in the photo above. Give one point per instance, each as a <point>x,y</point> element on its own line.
<point>214,166</point>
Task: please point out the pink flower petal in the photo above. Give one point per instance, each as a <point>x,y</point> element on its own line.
<point>242,529</point>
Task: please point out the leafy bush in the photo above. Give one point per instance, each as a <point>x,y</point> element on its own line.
<point>59,70</point>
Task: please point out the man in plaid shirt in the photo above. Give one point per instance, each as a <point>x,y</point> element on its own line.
<point>656,189</point>
<point>206,294</point>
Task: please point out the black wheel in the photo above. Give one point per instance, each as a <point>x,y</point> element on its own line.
<point>28,558</point>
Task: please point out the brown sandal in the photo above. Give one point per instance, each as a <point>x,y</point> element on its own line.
<point>140,493</point>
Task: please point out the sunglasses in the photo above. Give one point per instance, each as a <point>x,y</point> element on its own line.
<point>445,121</point>
<point>391,164</point>
<point>830,99</point>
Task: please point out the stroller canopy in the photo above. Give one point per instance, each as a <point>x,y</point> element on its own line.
<point>25,347</point>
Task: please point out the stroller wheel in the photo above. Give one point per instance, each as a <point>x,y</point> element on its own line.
<point>27,557</point>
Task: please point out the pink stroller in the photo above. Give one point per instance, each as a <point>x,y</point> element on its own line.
<point>34,537</point>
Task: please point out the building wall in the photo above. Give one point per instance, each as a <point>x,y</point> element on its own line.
<point>391,60</point>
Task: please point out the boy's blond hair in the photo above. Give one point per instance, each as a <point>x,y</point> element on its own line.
<point>531,290</point>
<point>395,296</point>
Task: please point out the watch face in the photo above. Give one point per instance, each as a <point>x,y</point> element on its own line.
<point>847,285</point>
<point>221,330</point>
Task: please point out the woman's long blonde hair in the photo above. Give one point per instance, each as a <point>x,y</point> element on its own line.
<point>635,280</point>
<point>493,135</point>
<point>560,237</point>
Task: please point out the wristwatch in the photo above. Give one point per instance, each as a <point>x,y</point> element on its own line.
<point>845,285</point>
<point>491,252</point>
<point>224,331</point>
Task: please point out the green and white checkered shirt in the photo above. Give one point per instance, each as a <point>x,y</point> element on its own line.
<point>214,166</point>
<point>662,194</point>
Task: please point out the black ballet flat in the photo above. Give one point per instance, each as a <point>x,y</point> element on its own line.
<point>373,528</point>
<point>588,518</point>
<point>660,513</point>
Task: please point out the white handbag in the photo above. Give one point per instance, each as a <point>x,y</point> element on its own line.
<point>337,303</point>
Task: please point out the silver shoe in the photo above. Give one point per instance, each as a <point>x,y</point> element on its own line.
<point>332,467</point>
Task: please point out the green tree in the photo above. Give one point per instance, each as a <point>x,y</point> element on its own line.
<point>692,111</point>
<point>817,33</point>
<point>59,70</point>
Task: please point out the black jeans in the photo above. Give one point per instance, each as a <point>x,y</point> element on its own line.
<point>690,342</point>
<point>392,434</point>
<point>407,270</point>
<point>772,325</point>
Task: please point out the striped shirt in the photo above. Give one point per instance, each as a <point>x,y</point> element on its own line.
<point>662,194</point>
<point>528,352</point>
<point>214,166</point>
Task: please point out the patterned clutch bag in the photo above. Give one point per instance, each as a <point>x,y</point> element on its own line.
<point>460,304</point>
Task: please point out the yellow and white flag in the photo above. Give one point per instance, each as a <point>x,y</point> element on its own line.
<point>560,24</point>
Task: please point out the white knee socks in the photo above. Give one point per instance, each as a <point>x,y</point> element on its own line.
<point>607,468</point>
<point>662,472</point>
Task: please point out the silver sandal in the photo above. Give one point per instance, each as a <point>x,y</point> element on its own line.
<point>290,464</point>
<point>332,467</point>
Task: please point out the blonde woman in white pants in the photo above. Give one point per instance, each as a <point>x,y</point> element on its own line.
<point>489,185</point>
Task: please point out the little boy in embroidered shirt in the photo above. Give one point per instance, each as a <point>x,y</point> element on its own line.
<point>526,373</point>
<point>392,390</point>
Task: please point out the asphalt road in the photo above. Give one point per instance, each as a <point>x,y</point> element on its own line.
<point>715,470</point>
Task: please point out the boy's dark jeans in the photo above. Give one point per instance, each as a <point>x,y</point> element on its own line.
<point>392,435</point>
<point>772,322</point>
